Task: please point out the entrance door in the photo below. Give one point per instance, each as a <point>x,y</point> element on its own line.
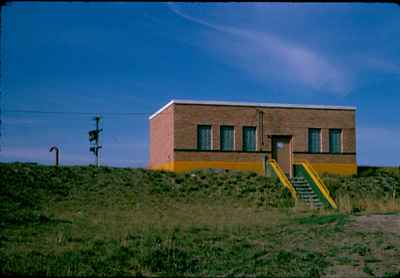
<point>282,152</point>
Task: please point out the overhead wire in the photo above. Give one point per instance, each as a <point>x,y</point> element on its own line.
<point>77,112</point>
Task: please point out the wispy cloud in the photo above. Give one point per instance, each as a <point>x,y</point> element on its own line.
<point>383,65</point>
<point>267,56</point>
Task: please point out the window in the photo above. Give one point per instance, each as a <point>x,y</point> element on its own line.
<point>314,140</point>
<point>227,138</point>
<point>335,140</point>
<point>204,137</point>
<point>249,138</point>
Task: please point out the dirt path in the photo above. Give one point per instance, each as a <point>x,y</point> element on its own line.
<point>376,223</point>
<point>370,247</point>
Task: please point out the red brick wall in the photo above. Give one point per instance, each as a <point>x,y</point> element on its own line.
<point>162,137</point>
<point>277,121</point>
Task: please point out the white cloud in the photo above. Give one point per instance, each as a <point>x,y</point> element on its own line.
<point>267,56</point>
<point>382,65</point>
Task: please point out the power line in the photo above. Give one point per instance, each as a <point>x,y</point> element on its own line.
<point>76,112</point>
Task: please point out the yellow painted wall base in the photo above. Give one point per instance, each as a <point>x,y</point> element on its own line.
<point>182,166</point>
<point>185,166</point>
<point>169,166</point>
<point>346,169</point>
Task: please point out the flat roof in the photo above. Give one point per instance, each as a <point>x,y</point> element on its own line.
<point>249,104</point>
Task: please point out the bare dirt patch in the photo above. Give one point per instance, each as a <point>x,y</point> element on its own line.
<point>369,246</point>
<point>376,223</point>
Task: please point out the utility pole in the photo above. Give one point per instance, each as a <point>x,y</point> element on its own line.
<point>94,138</point>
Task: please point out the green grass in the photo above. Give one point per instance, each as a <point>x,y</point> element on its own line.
<point>81,221</point>
<point>373,190</point>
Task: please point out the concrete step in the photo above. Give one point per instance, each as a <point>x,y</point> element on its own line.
<point>301,185</point>
<point>310,199</point>
<point>309,195</point>
<point>299,182</point>
<point>303,188</point>
<point>305,192</point>
<point>308,192</point>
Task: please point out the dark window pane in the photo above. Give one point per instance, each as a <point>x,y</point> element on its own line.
<point>204,137</point>
<point>249,138</point>
<point>227,138</point>
<point>335,140</point>
<point>314,140</point>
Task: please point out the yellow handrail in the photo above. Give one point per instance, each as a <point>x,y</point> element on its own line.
<point>282,177</point>
<point>316,175</point>
<point>318,181</point>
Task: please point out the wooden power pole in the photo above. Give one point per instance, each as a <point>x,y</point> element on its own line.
<point>94,138</point>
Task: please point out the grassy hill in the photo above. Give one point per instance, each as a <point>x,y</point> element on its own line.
<point>113,221</point>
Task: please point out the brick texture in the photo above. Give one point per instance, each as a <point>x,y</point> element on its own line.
<point>179,131</point>
<point>162,137</point>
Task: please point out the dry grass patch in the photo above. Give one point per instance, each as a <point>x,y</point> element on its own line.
<point>84,221</point>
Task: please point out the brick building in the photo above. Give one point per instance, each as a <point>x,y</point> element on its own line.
<point>186,135</point>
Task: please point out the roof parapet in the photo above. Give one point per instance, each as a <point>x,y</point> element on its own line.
<point>250,104</point>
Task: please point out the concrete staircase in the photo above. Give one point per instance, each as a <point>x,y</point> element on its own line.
<point>306,193</point>
<point>306,185</point>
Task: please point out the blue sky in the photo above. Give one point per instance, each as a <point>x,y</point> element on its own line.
<point>135,57</point>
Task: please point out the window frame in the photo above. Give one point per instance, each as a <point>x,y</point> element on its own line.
<point>309,140</point>
<point>243,138</point>
<point>221,138</point>
<point>340,145</point>
<point>198,136</point>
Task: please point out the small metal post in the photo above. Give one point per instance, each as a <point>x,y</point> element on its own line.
<point>57,154</point>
